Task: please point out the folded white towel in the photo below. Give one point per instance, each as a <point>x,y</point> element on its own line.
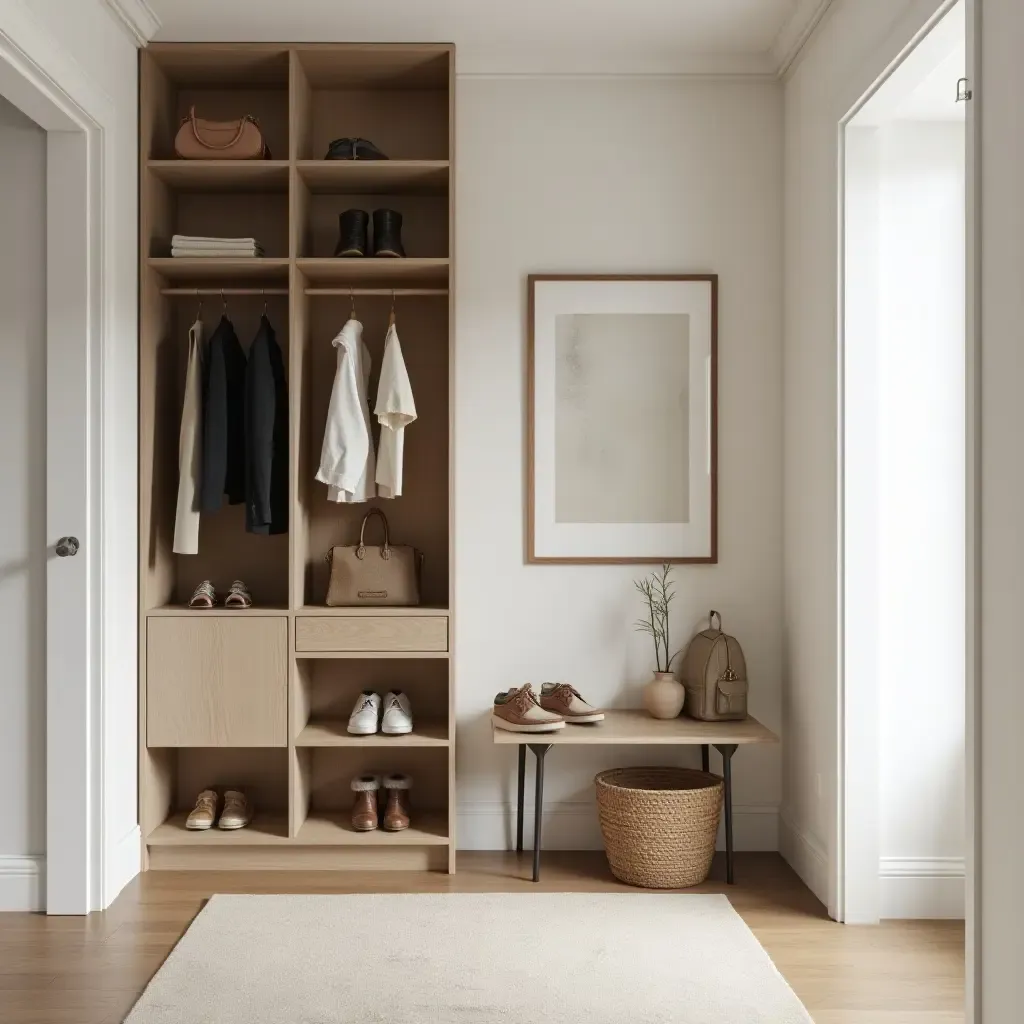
<point>222,253</point>
<point>203,242</point>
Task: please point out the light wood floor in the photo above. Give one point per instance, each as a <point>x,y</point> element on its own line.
<point>91,970</point>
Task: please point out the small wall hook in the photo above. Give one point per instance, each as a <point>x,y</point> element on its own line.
<point>964,92</point>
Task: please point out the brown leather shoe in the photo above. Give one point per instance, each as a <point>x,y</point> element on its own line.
<point>396,813</point>
<point>364,807</point>
<point>565,700</point>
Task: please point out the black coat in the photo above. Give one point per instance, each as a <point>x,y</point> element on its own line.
<point>266,435</point>
<point>223,419</point>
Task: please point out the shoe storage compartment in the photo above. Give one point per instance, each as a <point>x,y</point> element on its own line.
<point>424,222</point>
<point>259,699</point>
<point>327,690</point>
<point>183,773</point>
<point>323,796</point>
<point>398,100</point>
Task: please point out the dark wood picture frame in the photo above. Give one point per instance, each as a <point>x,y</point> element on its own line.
<point>531,433</point>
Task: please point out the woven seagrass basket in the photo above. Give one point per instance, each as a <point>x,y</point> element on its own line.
<point>659,824</point>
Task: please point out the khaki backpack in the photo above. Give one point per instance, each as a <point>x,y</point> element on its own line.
<point>715,675</point>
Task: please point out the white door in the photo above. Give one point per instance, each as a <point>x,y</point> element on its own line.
<point>72,584</point>
<point>47,728</point>
<point>23,567</point>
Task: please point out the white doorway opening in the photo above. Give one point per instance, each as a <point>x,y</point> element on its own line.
<point>904,489</point>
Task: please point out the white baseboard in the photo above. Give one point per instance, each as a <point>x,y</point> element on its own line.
<point>22,883</point>
<point>122,863</point>
<point>574,826</point>
<point>922,887</point>
<point>806,855</point>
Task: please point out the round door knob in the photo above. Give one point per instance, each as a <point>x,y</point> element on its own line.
<point>67,546</point>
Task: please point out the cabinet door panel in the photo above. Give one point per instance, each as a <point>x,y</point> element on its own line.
<point>216,682</point>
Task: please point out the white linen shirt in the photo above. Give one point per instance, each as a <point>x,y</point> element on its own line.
<point>395,410</point>
<point>347,463</point>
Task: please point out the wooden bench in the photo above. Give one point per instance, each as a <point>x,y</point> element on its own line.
<point>632,728</point>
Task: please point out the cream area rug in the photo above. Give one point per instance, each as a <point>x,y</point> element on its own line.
<point>470,959</point>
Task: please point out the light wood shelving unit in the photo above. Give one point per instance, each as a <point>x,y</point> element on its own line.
<point>259,699</point>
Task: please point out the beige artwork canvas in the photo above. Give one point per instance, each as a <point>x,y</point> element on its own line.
<point>622,417</point>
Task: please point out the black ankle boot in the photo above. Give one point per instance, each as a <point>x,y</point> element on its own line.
<point>387,233</point>
<point>352,233</point>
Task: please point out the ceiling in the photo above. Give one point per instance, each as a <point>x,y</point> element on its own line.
<point>515,36</point>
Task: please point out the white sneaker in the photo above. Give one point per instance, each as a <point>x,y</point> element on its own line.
<point>365,717</point>
<point>397,720</point>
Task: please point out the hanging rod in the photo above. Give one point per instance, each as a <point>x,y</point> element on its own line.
<point>396,292</point>
<point>223,291</point>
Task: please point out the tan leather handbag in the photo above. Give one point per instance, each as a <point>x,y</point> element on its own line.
<point>369,575</point>
<point>198,139</point>
<point>715,675</point>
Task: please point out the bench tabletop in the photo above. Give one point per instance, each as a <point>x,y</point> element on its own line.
<point>637,727</point>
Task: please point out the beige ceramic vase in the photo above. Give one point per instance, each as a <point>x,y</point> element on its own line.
<point>664,696</point>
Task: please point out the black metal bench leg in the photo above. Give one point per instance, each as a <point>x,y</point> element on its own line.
<point>540,752</point>
<point>520,800</point>
<point>727,750</point>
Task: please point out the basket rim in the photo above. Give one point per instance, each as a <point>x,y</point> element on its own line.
<point>605,778</point>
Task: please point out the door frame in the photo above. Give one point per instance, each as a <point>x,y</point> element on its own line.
<point>83,869</point>
<point>852,897</point>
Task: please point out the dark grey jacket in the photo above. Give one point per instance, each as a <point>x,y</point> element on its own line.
<point>223,419</point>
<point>266,435</point>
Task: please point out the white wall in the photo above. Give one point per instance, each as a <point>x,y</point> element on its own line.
<point>23,512</point>
<point>852,46</point>
<point>607,175</point>
<point>87,54</point>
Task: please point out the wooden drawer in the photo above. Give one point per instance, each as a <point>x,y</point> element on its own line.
<point>371,633</point>
<point>216,682</point>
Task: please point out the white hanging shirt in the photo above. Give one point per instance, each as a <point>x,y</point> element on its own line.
<point>346,458</point>
<point>190,449</point>
<point>395,410</point>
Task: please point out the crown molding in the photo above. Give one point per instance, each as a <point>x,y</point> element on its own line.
<point>136,17</point>
<point>569,63</point>
<point>796,31</point>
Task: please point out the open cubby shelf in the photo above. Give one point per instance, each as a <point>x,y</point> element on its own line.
<point>259,699</point>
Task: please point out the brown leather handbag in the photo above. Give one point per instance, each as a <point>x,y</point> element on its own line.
<point>199,139</point>
<point>372,575</point>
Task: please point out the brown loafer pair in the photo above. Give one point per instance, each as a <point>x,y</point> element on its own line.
<point>366,815</point>
<point>520,710</point>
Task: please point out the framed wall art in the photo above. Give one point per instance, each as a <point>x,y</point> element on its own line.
<point>622,446</point>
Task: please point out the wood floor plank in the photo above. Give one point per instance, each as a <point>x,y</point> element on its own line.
<point>92,970</point>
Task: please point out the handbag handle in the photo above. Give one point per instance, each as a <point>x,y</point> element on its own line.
<point>712,615</point>
<point>208,145</point>
<point>385,552</point>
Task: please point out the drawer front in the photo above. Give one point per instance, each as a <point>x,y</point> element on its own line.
<point>371,633</point>
<point>216,682</point>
